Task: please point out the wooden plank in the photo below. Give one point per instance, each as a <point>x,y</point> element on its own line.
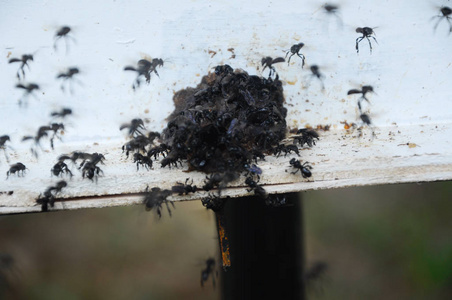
<point>410,72</point>
<point>340,159</point>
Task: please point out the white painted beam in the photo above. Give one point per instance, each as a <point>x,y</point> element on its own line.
<point>409,68</point>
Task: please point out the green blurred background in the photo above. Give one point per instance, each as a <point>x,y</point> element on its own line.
<point>382,242</point>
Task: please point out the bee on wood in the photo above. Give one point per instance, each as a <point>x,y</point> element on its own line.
<point>256,188</point>
<point>303,168</point>
<point>61,167</point>
<point>186,188</point>
<point>89,166</point>
<point>160,149</point>
<point>16,168</point>
<point>137,143</point>
<point>287,149</point>
<point>140,159</point>
<point>307,136</point>
<point>49,196</point>
<point>213,202</point>
<point>253,170</point>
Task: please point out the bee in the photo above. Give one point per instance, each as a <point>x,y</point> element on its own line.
<point>28,90</point>
<point>140,159</point>
<point>295,50</point>
<point>367,32</point>
<point>363,91</point>
<point>257,189</point>
<point>3,140</point>
<point>59,168</point>
<point>134,127</point>
<point>49,196</point>
<point>303,168</point>
<point>68,76</point>
<point>269,62</point>
<point>446,13</point>
<point>145,68</point>
<point>154,199</point>
<point>186,188</point>
<point>307,136</point>
<point>208,271</point>
<point>63,33</point>
<point>16,168</point>
<point>24,62</point>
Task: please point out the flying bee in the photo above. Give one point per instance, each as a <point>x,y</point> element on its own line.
<point>315,73</point>
<point>332,10</point>
<point>24,62</point>
<point>63,33</point>
<point>445,13</point>
<point>208,272</point>
<point>68,76</point>
<point>295,49</point>
<point>365,119</point>
<point>134,127</point>
<point>363,91</point>
<point>42,132</point>
<point>62,113</point>
<point>367,32</point>
<point>28,90</point>
<point>154,199</point>
<point>3,146</point>
<point>315,273</point>
<point>145,68</point>
<point>269,62</point>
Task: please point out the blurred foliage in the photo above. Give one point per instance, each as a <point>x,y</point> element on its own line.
<point>382,242</point>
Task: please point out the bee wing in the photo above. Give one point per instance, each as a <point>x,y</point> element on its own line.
<point>278,60</point>
<point>354,91</point>
<point>124,126</point>
<point>130,68</point>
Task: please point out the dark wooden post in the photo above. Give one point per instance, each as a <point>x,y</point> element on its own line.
<point>266,249</point>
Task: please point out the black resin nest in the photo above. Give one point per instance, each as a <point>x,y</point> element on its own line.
<point>227,121</point>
